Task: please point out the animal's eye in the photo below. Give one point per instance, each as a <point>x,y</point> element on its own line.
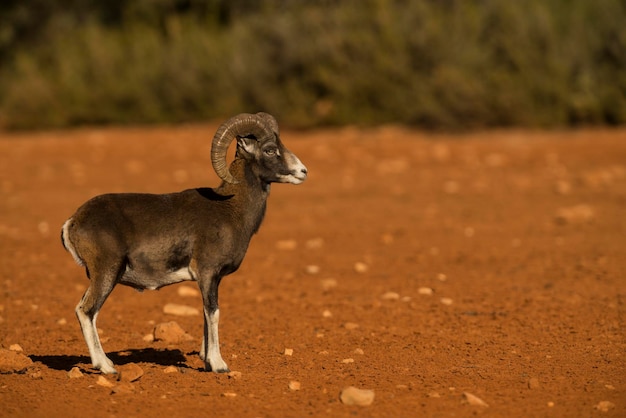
<point>270,152</point>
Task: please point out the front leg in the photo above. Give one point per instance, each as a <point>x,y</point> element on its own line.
<point>210,350</point>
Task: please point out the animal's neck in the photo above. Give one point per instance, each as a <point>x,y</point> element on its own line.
<point>250,192</point>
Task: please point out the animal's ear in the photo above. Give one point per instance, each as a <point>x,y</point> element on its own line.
<point>247,145</point>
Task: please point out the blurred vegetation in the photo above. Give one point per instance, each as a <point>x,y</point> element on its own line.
<point>440,64</point>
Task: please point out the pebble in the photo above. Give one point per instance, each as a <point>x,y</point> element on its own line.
<point>170,332</point>
<point>533,383</point>
<point>425,291</point>
<point>62,321</point>
<point>390,296</point>
<point>13,362</point>
<point>129,372</point>
<point>360,267</point>
<point>74,373</point>
<point>474,400</point>
<point>604,406</point>
<point>288,352</point>
<point>446,301</point>
<point>123,388</point>
<point>103,381</point>
<point>350,325</point>
<point>16,347</point>
<point>188,291</point>
<point>359,351</point>
<point>234,375</point>
<point>294,385</point>
<point>180,310</point>
<point>148,338</point>
<point>327,314</point>
<point>355,396</point>
<point>578,214</point>
<point>328,284</point>
<point>347,360</point>
<point>315,243</point>
<point>229,394</point>
<point>171,369</point>
<point>287,244</point>
<point>312,269</point>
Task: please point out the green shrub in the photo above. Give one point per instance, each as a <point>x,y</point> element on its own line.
<point>435,64</point>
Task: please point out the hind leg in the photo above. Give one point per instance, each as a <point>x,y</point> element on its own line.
<point>87,312</point>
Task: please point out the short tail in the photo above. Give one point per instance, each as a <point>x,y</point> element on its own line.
<point>67,243</point>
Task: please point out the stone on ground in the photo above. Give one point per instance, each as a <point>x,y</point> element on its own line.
<point>355,396</point>
<point>13,362</point>
<point>180,310</point>
<point>129,372</point>
<point>171,332</point>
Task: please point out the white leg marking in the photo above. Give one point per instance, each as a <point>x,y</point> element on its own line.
<point>211,354</point>
<point>99,360</point>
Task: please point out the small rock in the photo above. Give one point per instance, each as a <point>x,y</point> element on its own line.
<point>474,400</point>
<point>604,406</point>
<point>171,332</point>
<point>315,243</point>
<point>327,314</point>
<point>171,369</point>
<point>425,291</point>
<point>442,277</point>
<point>287,244</point>
<point>390,296</point>
<point>129,372</point>
<point>533,383</point>
<point>288,352</point>
<point>359,351</point>
<point>188,291</point>
<point>123,388</point>
<point>229,394</point>
<point>574,215</point>
<point>234,375</point>
<point>347,360</point>
<point>180,310</point>
<point>294,385</point>
<point>434,395</point>
<point>360,267</point>
<point>13,362</point>
<point>354,396</point>
<point>16,347</point>
<point>328,284</point>
<point>312,269</point>
<point>446,301</point>
<point>62,321</point>
<point>74,373</point>
<point>350,325</point>
<point>148,338</point>
<point>103,381</point>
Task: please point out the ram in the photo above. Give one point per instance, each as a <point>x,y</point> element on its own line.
<point>148,241</point>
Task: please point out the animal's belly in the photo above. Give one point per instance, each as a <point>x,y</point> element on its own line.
<point>155,279</point>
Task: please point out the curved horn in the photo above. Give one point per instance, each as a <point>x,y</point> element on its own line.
<point>270,121</point>
<point>241,125</point>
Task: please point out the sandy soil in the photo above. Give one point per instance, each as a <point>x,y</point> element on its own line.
<point>422,267</point>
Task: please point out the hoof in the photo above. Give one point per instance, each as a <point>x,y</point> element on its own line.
<point>208,368</point>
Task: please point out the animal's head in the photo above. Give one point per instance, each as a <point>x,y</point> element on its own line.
<point>258,142</point>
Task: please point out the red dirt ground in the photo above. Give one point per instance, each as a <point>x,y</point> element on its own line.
<point>520,235</point>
